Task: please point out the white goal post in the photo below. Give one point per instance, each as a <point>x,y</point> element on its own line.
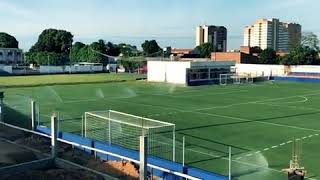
<point>122,129</point>
<point>226,79</point>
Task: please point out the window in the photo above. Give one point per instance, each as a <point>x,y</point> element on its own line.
<point>10,53</point>
<point>1,54</point>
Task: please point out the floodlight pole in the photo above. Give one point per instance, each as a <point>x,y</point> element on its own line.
<point>143,157</point>
<point>33,115</point>
<point>230,161</point>
<point>53,135</point>
<point>85,125</point>
<point>1,106</point>
<point>82,126</point>
<point>183,151</point>
<point>109,114</point>
<point>174,143</point>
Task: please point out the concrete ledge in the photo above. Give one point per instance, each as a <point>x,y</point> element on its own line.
<point>28,166</point>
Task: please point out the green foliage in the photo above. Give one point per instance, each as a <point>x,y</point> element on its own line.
<point>205,50</point>
<point>310,40</point>
<point>8,41</point>
<point>268,56</point>
<point>132,63</point>
<point>75,53</point>
<point>46,58</point>
<point>301,56</point>
<point>53,40</point>
<point>128,50</point>
<point>94,52</point>
<point>112,49</point>
<point>151,48</point>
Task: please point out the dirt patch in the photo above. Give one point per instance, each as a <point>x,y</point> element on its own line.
<point>16,154</point>
<point>53,174</point>
<point>127,168</point>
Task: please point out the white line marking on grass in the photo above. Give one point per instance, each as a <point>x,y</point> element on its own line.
<point>54,92</point>
<point>224,116</point>
<point>274,147</point>
<point>261,122</point>
<point>237,161</point>
<point>206,94</point>
<point>286,106</point>
<point>316,134</point>
<point>266,100</point>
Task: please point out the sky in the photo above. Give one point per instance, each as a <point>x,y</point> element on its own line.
<point>170,22</point>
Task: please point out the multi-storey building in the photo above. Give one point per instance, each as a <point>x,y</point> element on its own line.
<point>273,34</point>
<point>11,56</point>
<point>216,35</point>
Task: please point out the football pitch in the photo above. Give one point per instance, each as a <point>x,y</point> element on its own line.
<point>259,121</point>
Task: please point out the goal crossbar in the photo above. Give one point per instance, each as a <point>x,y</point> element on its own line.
<point>157,123</point>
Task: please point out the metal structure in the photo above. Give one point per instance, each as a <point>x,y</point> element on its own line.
<point>295,170</point>
<point>124,130</point>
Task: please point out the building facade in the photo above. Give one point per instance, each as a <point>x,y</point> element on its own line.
<point>11,56</point>
<point>274,34</point>
<point>244,56</point>
<point>216,35</point>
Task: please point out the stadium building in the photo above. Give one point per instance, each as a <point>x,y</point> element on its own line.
<point>191,73</point>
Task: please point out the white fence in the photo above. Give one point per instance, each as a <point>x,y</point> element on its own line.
<point>261,70</point>
<point>305,69</point>
<point>6,69</point>
<point>70,69</point>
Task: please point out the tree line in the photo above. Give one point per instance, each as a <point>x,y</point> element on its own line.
<point>56,47</point>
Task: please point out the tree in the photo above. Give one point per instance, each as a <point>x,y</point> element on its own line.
<point>301,56</point>
<point>8,41</point>
<point>75,53</point>
<point>128,50</point>
<point>205,50</point>
<point>112,49</point>
<point>309,39</point>
<point>268,56</point>
<point>45,58</point>
<point>132,63</point>
<point>53,40</point>
<point>151,48</point>
<point>255,49</point>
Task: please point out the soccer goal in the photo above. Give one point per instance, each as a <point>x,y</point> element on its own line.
<point>117,128</point>
<point>229,79</point>
<point>226,79</point>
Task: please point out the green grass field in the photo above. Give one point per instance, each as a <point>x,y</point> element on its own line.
<point>258,121</point>
<point>59,79</point>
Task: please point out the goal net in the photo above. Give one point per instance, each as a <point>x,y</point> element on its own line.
<point>226,79</point>
<point>124,130</point>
